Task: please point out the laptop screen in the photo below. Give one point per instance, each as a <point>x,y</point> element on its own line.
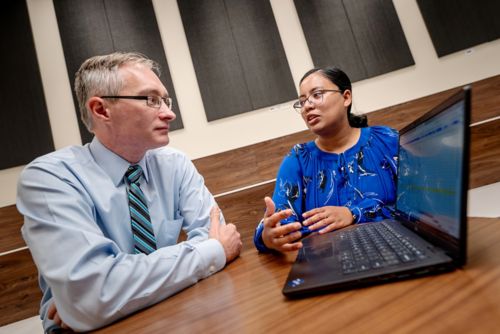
<point>431,172</point>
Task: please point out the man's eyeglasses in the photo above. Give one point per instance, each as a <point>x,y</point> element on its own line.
<point>315,98</point>
<point>153,101</point>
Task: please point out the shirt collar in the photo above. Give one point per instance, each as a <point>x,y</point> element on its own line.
<point>112,164</point>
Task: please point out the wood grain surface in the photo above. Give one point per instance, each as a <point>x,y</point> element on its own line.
<point>245,209</point>
<point>19,292</point>
<point>10,229</point>
<point>246,298</point>
<point>247,165</point>
<point>484,154</point>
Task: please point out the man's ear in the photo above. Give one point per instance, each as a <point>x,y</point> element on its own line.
<point>98,108</point>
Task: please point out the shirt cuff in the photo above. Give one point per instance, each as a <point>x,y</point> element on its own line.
<point>257,238</point>
<point>213,255</point>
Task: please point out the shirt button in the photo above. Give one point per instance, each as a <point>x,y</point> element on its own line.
<point>211,269</point>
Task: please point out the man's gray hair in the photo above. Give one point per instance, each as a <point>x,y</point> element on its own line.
<point>99,76</point>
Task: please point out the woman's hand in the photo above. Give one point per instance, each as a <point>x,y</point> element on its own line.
<point>328,218</point>
<point>282,238</point>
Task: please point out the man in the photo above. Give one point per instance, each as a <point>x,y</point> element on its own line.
<point>102,221</point>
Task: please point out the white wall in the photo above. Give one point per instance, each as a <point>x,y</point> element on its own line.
<point>199,138</point>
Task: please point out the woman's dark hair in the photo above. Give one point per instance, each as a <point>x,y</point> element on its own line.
<point>339,78</point>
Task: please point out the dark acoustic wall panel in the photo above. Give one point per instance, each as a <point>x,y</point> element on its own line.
<point>379,36</point>
<point>363,37</point>
<point>456,25</point>
<point>329,36</point>
<point>96,27</point>
<point>237,54</point>
<point>261,52</point>
<point>133,26</point>
<point>215,58</point>
<point>24,123</point>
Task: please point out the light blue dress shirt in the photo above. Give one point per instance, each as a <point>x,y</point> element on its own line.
<point>77,227</point>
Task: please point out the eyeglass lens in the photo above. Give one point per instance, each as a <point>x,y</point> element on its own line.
<point>155,101</point>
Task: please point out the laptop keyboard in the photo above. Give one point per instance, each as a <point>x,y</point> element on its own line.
<point>377,245</point>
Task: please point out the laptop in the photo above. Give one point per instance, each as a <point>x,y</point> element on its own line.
<point>428,231</point>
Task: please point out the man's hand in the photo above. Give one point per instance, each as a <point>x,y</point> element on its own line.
<point>227,235</point>
<point>328,218</point>
<point>282,238</point>
<point>53,315</point>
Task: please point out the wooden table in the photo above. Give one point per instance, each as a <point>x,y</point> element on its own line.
<point>246,298</point>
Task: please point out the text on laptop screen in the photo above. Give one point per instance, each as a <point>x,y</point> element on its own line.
<point>430,171</point>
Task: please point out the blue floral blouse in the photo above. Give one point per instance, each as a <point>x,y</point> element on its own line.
<point>362,178</point>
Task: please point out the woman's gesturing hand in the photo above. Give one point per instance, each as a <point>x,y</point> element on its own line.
<point>283,238</point>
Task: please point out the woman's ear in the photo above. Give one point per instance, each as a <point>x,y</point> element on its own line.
<point>98,108</point>
<point>347,97</point>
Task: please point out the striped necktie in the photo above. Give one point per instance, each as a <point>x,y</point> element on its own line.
<point>142,230</point>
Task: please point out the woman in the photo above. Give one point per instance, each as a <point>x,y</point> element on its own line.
<point>345,176</point>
